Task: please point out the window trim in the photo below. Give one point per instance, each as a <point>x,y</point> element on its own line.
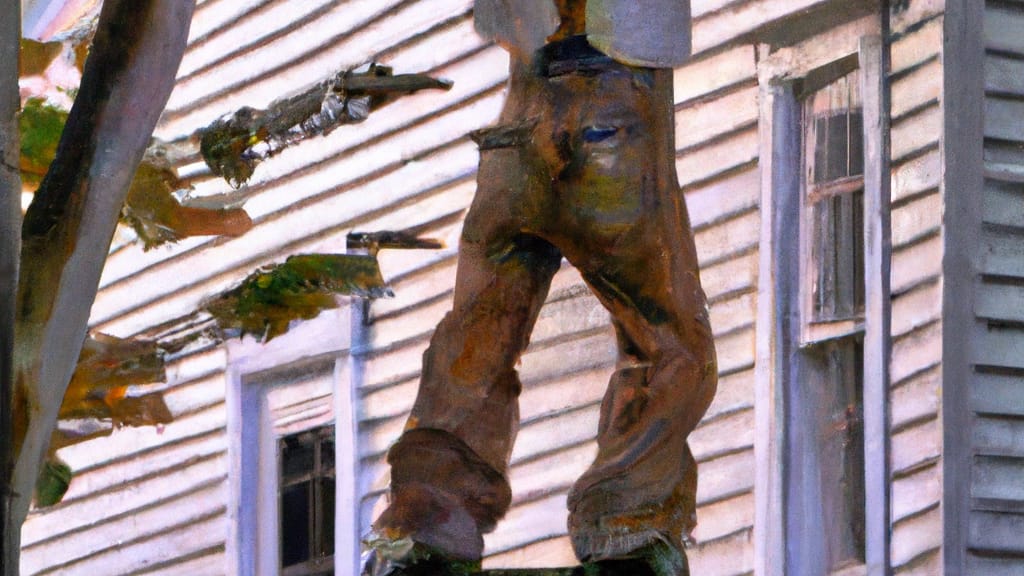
<point>814,330</point>
<point>252,544</point>
<point>779,294</point>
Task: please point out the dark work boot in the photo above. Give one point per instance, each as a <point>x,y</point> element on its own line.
<point>406,558</point>
<point>656,559</point>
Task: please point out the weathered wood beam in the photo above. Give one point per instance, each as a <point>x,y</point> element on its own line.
<point>67,230</point>
<point>10,248</point>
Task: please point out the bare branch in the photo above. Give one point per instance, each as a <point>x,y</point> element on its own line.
<point>387,239</point>
<point>234,145</point>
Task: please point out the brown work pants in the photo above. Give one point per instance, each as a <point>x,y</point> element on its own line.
<point>581,165</point>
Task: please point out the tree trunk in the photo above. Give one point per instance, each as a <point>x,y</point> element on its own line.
<point>10,247</point>
<point>67,229</point>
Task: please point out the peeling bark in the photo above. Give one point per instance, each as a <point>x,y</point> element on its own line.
<point>67,229</point>
<point>232,146</point>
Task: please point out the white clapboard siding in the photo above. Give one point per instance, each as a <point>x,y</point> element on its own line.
<point>410,164</point>
<point>996,390</point>
<point>915,539</point>
<point>916,215</point>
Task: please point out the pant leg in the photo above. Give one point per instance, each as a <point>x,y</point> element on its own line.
<point>624,225</point>
<point>449,469</point>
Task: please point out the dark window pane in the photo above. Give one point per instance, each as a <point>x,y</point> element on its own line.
<point>838,146</point>
<point>295,524</point>
<point>327,453</point>
<point>830,147</point>
<point>327,516</point>
<point>856,143</point>
<point>296,457</point>
<point>307,502</point>
<point>824,255</point>
<point>838,252</point>
<point>858,252</point>
<point>831,418</point>
<point>843,450</point>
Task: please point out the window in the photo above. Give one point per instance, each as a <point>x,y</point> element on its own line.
<point>823,309</point>
<point>832,219</point>
<point>307,489</point>
<point>832,283</point>
<point>291,428</point>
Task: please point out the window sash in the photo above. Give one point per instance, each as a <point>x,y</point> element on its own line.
<point>319,485</point>
<point>831,211</point>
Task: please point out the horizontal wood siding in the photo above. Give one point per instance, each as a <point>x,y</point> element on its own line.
<point>916,282</point>
<point>411,164</point>
<point>995,544</point>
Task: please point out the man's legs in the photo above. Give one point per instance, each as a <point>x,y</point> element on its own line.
<point>448,470</point>
<point>623,223</point>
<point>596,178</point>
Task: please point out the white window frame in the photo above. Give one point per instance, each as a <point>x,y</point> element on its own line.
<point>814,331</point>
<point>780,296</point>
<point>253,546</point>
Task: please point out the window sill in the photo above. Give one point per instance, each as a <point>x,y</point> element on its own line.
<point>855,570</point>
<point>322,566</point>
<point>817,332</point>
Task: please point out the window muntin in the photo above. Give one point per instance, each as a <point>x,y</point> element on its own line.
<point>307,489</point>
<point>833,204</point>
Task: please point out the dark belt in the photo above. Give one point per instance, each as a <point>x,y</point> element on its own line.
<point>574,55</point>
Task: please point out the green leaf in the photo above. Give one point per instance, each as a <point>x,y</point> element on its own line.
<point>53,482</point>
<point>40,125</point>
<point>266,302</point>
<point>107,367</point>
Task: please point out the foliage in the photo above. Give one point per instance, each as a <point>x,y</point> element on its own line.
<point>39,125</point>
<point>145,410</point>
<point>299,289</point>
<point>107,366</point>
<point>151,208</point>
<point>157,217</point>
<point>53,482</point>
<point>35,57</point>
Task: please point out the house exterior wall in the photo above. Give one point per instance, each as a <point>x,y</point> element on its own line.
<point>916,74</point>
<point>144,502</point>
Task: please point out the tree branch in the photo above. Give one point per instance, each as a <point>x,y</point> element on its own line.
<point>66,234</point>
<point>235,144</point>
